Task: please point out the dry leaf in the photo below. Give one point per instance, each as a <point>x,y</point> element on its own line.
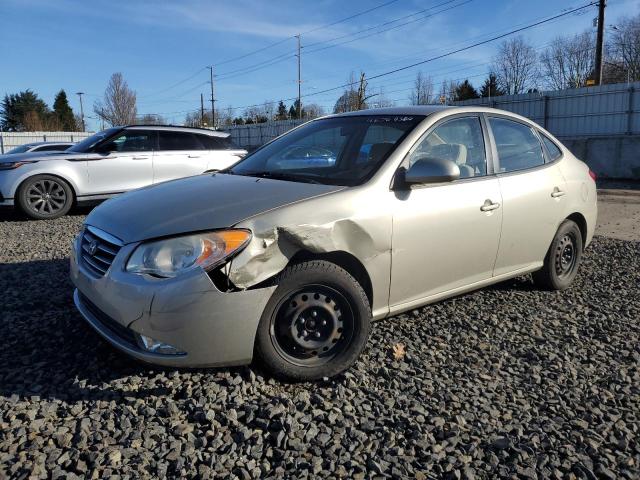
<point>398,351</point>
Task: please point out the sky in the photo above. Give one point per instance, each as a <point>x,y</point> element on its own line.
<point>163,48</point>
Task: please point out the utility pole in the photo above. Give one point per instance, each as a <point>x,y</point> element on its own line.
<point>81,110</point>
<point>600,42</point>
<point>299,80</point>
<point>213,109</point>
<point>201,109</point>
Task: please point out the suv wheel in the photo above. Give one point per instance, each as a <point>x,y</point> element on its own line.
<point>44,197</point>
<point>316,323</point>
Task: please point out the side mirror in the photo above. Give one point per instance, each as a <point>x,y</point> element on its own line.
<point>431,170</point>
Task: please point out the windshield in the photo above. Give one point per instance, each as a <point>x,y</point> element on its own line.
<point>20,149</point>
<point>337,151</point>
<point>86,144</point>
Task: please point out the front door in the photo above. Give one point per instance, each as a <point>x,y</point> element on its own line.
<point>446,236</point>
<point>124,164</point>
<point>533,196</point>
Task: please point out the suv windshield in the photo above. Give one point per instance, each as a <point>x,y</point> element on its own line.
<point>86,144</point>
<point>338,151</point>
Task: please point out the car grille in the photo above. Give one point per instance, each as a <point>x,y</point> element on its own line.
<point>116,329</point>
<point>97,252</point>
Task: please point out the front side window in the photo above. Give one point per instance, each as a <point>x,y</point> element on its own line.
<point>88,143</point>
<point>338,151</point>
<point>130,141</point>
<point>518,146</point>
<point>180,141</point>
<point>553,150</point>
<point>459,140</point>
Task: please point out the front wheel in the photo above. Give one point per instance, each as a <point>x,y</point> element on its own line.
<point>563,258</point>
<point>44,197</point>
<point>316,323</point>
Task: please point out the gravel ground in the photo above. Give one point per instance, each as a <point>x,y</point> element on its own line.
<point>505,382</point>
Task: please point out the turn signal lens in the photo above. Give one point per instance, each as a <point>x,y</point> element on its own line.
<point>592,174</point>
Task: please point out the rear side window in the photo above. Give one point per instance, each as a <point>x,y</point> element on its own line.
<point>50,148</point>
<point>180,141</point>
<point>554,152</point>
<point>216,143</point>
<point>518,146</point>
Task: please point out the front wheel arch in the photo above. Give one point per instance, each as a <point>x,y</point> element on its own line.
<point>23,183</point>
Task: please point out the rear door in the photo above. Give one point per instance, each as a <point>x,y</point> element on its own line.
<point>532,190</point>
<point>221,153</point>
<point>124,164</point>
<point>179,154</point>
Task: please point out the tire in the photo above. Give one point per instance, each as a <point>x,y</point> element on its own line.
<point>562,260</point>
<point>44,197</point>
<point>316,323</point>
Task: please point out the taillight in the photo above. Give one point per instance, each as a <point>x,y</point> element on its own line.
<point>592,174</point>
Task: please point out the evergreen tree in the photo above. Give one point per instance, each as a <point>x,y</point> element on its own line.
<point>63,113</point>
<point>490,87</point>
<point>465,91</point>
<point>19,109</point>
<point>281,114</point>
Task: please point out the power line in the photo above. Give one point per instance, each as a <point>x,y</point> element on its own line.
<point>175,84</point>
<point>380,25</point>
<point>437,57</point>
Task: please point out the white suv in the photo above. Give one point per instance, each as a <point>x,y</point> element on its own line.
<point>45,185</point>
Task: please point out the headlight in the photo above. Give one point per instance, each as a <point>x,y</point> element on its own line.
<point>12,165</point>
<point>173,256</point>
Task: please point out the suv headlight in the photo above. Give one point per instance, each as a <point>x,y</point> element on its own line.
<point>12,165</point>
<point>173,256</point>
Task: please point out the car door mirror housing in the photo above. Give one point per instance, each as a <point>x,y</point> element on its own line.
<point>427,170</point>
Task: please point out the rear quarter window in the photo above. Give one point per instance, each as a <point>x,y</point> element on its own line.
<point>553,150</point>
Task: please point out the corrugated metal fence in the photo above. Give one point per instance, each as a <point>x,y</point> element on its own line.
<point>9,140</point>
<point>582,112</point>
<point>254,135</point>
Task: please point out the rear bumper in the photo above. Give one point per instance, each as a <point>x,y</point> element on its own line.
<point>209,327</point>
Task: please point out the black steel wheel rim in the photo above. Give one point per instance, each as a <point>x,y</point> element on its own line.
<point>46,197</point>
<point>566,255</point>
<point>312,325</point>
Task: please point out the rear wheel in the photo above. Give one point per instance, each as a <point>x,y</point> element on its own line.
<point>563,258</point>
<point>45,197</point>
<point>316,323</point>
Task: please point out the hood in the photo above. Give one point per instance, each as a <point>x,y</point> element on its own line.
<point>204,202</point>
<point>29,156</point>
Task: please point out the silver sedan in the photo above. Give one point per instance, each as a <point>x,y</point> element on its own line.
<point>287,259</point>
<point>46,185</point>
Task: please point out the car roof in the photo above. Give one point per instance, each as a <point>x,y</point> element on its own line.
<point>427,110</point>
<point>37,144</point>
<point>178,128</point>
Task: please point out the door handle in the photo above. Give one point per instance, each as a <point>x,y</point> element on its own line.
<point>489,206</point>
<point>195,156</point>
<point>139,158</point>
<point>557,193</point>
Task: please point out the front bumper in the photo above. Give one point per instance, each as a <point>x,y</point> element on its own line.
<point>210,327</point>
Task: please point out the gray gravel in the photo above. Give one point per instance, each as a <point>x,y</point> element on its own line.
<point>505,382</point>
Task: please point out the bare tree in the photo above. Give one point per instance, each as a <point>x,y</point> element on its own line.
<point>119,104</point>
<point>422,92</point>
<point>151,119</point>
<point>268,109</point>
<point>516,66</point>
<point>624,48</point>
<point>312,110</point>
<point>348,101</point>
<point>568,61</point>
<point>447,92</point>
